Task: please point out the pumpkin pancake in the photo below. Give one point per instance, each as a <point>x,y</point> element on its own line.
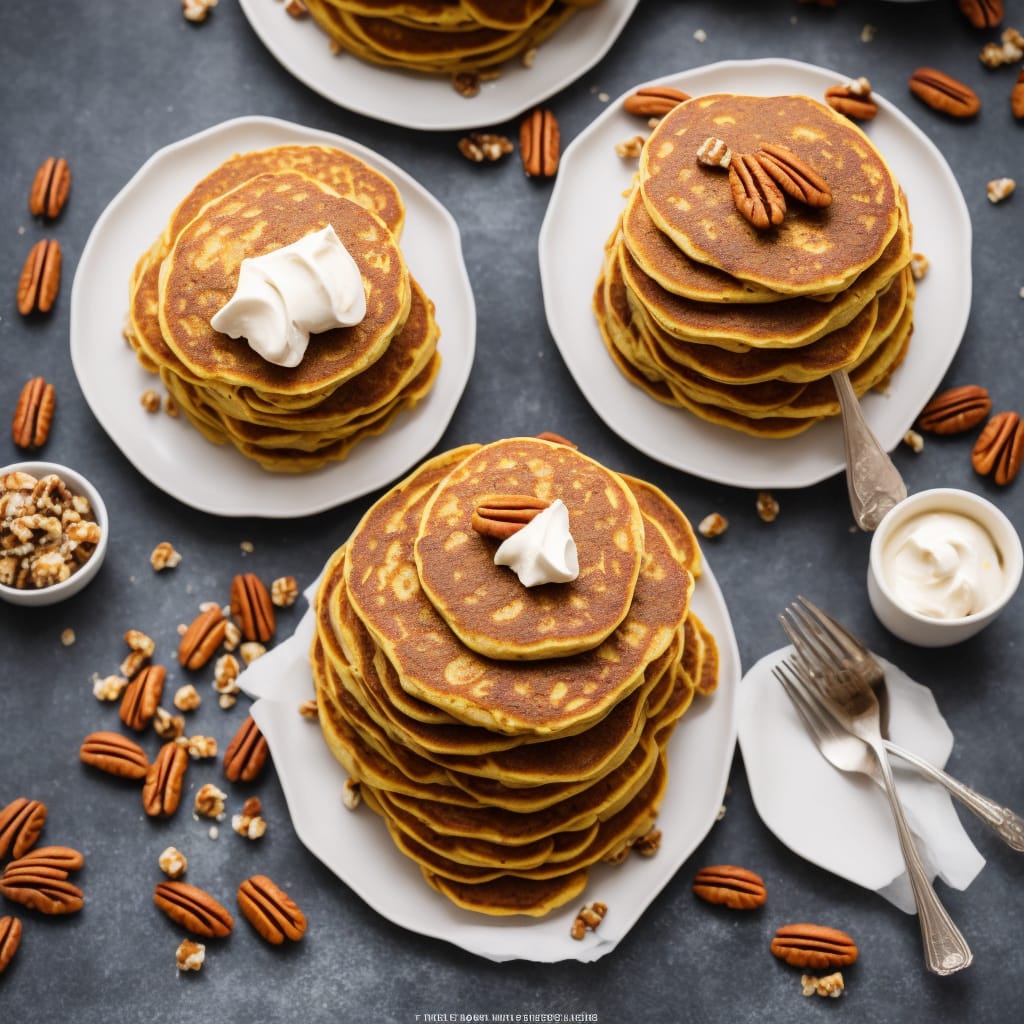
<point>484,604</point>
<point>200,273</point>
<point>655,504</point>
<point>813,251</point>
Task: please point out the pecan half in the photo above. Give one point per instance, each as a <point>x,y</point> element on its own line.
<point>270,910</point>
<point>114,754</point>
<point>1017,98</point>
<point>252,607</point>
<point>731,886</point>
<point>39,880</point>
<point>21,821</point>
<point>40,278</point>
<point>50,188</point>
<point>944,93</point>
<point>795,176</point>
<point>654,100</point>
<point>161,792</point>
<point>502,515</point>
<point>33,414</point>
<point>202,638</point>
<point>246,754</point>
<point>853,100</point>
<point>1000,448</point>
<point>982,13</point>
<point>755,194</point>
<point>193,909</point>
<point>955,410</point>
<point>10,939</point>
<point>814,946</point>
<point>539,144</point>
<point>142,696</point>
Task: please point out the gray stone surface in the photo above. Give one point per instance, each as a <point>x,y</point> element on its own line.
<point>106,84</point>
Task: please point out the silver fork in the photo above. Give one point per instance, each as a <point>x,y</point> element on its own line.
<point>817,637</point>
<point>946,950</point>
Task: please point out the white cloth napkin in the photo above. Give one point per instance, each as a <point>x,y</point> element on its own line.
<point>840,821</point>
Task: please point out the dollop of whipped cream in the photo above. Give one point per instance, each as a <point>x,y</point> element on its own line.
<point>543,551</point>
<point>288,294</point>
<point>943,565</point>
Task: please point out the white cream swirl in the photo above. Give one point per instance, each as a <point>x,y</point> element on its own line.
<point>288,294</point>
<point>543,551</point>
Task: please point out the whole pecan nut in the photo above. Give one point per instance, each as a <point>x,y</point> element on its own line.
<point>246,754</point>
<point>944,93</point>
<point>33,415</point>
<point>114,754</point>
<point>1017,97</point>
<point>50,188</point>
<point>813,946</point>
<point>10,939</point>
<point>734,887</point>
<point>795,176</point>
<point>193,909</point>
<point>1000,448</point>
<point>853,100</point>
<point>755,194</point>
<point>501,515</point>
<point>955,410</point>
<point>202,638</point>
<point>982,13</point>
<point>21,821</point>
<point>142,696</point>
<point>161,792</point>
<point>270,910</point>
<point>40,278</point>
<point>539,144</point>
<point>654,100</point>
<point>39,880</point>
<point>252,607</point>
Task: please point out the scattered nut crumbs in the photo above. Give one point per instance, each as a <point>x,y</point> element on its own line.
<point>914,441</point>
<point>831,985</point>
<point>308,709</point>
<point>999,189</point>
<point>767,507</point>
<point>284,591</point>
<point>247,547</point>
<point>630,148</point>
<point>173,863</point>
<point>232,636</point>
<point>197,10</point>
<point>108,687</point>
<point>168,726</point>
<point>67,637</point>
<point>251,650</point>
<point>1008,50</point>
<point>714,152</point>
<point>867,33</point>
<point>150,400</point>
<point>249,822</point>
<point>919,264</point>
<point>713,525</point>
<point>209,801</point>
<point>164,556</point>
<point>700,35</point>
<point>140,643</point>
<point>296,8</point>
<point>528,57</point>
<point>201,747</point>
<point>588,919</point>
<point>190,955</point>
<point>649,843</point>
<point>350,795</point>
<point>186,698</point>
<point>484,146</point>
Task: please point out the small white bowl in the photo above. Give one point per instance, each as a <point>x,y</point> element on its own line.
<point>926,630</point>
<point>77,484</point>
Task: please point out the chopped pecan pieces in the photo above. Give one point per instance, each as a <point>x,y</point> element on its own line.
<point>33,414</point>
<point>193,909</point>
<point>189,956</point>
<point>814,946</point>
<point>40,278</point>
<point>713,152</point>
<point>1000,448</point>
<point>164,556</point>
<point>173,863</point>
<point>588,919</point>
<point>114,754</point>
<point>21,821</point>
<point>734,887</point>
<point>270,910</point>
<point>484,146</point>
<point>50,188</point>
<point>284,591</point>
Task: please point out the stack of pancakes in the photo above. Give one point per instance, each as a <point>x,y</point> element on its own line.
<point>441,36</point>
<point>743,326</point>
<point>510,737</point>
<point>352,381</point>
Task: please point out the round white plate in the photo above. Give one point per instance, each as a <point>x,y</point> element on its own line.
<point>430,102</point>
<point>171,453</point>
<point>588,198</point>
<point>357,848</point>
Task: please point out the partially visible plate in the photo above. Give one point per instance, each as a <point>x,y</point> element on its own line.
<point>585,204</point>
<point>357,848</point>
<point>429,102</point>
<point>171,453</point>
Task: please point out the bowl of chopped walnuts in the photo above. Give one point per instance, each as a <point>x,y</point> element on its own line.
<point>53,533</point>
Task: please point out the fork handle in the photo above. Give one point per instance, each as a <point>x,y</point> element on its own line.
<point>1008,825</point>
<point>945,949</point>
